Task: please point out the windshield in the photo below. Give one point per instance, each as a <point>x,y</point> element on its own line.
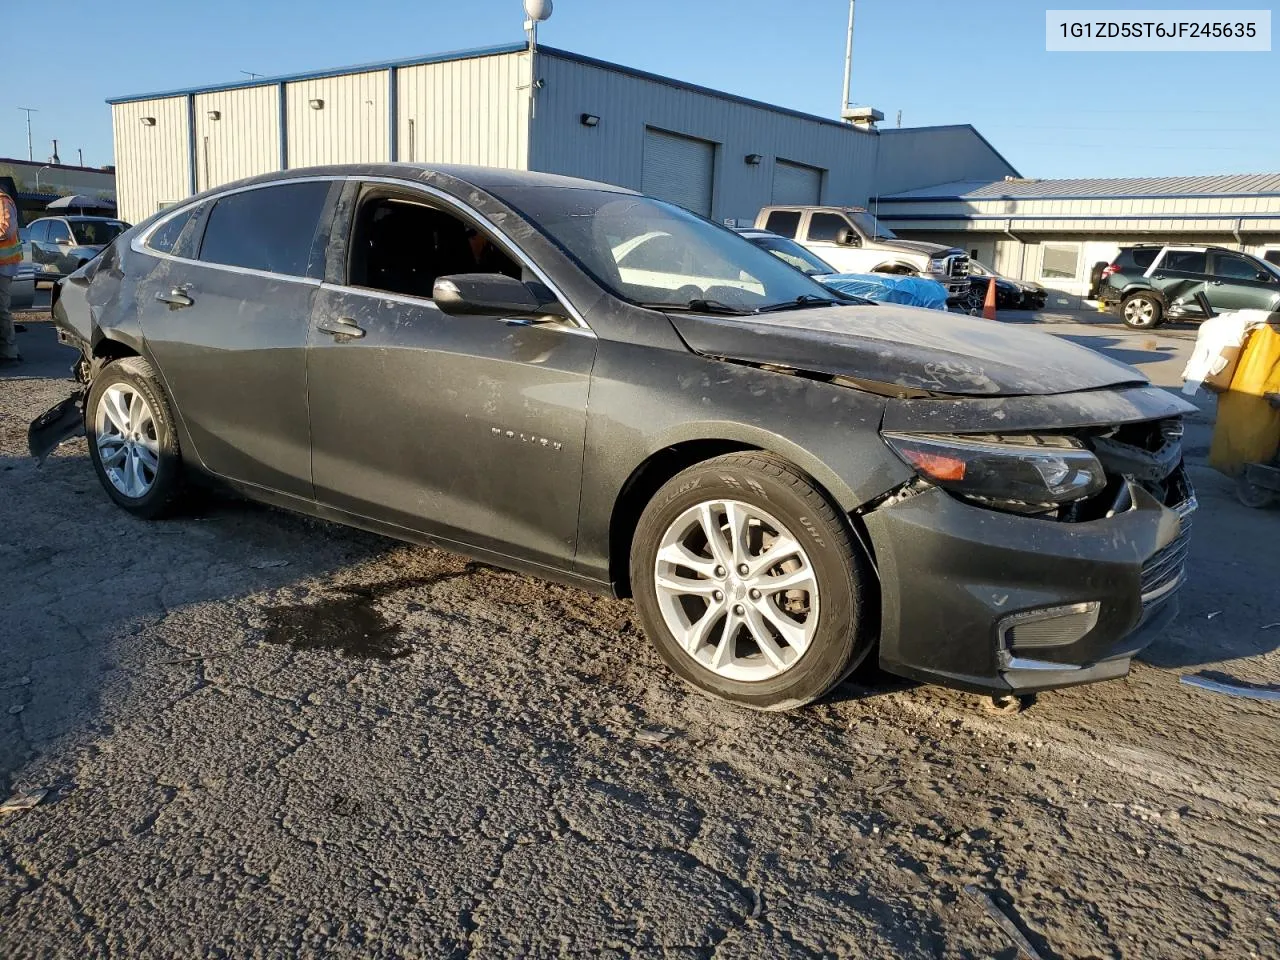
<point>870,226</point>
<point>96,233</point>
<point>788,251</point>
<point>656,254</point>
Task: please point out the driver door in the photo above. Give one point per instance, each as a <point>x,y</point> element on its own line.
<point>1237,283</point>
<point>465,429</point>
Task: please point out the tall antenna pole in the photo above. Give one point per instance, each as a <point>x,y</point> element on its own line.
<point>845,98</point>
<point>30,152</point>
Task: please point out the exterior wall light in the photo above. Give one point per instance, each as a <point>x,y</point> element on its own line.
<point>148,121</point>
<point>317,104</point>
<point>753,159</point>
<point>215,114</point>
<point>589,120</point>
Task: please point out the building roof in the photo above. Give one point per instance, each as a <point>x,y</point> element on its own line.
<point>1105,188</point>
<point>490,52</point>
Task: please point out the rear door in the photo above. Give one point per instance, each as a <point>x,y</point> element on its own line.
<point>227,325</point>
<point>58,248</point>
<point>469,429</point>
<point>1180,275</point>
<point>1238,283</point>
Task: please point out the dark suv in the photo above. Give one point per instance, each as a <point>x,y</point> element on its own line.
<point>1148,284</point>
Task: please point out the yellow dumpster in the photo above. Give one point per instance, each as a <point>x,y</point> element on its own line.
<point>1248,426</point>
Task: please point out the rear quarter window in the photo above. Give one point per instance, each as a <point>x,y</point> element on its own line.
<point>269,228</point>
<point>1139,258</point>
<point>165,237</point>
<point>784,222</point>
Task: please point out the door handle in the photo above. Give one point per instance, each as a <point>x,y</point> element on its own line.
<point>176,298</point>
<point>1216,283</point>
<point>342,329</point>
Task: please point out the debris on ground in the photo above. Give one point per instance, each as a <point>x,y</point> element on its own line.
<point>16,708</point>
<point>1003,706</point>
<point>1215,613</point>
<point>268,564</point>
<point>1231,687</point>
<point>653,735</point>
<point>23,800</point>
<point>1025,950</point>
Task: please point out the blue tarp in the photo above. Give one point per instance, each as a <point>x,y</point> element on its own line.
<point>888,288</point>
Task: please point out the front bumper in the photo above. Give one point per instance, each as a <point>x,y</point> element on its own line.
<point>955,576</point>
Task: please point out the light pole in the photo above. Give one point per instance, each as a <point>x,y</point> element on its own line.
<point>29,111</point>
<point>40,171</point>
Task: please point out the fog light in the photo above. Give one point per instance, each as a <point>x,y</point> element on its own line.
<point>1048,626</point>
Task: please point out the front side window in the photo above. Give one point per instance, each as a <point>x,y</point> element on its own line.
<point>58,231</point>
<point>826,226</point>
<point>96,233</point>
<point>402,246</point>
<point>269,228</point>
<point>1184,261</point>
<point>695,262</point>
<point>785,223</point>
<point>1061,261</point>
<point>1230,267</point>
<point>871,226</point>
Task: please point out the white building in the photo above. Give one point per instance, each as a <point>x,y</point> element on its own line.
<point>1056,231</point>
<point>718,154</point>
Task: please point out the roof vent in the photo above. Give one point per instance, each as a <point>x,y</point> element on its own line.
<point>864,118</point>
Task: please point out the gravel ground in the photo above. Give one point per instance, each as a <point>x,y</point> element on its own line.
<point>266,736</point>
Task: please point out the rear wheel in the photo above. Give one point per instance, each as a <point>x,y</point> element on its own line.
<point>132,441</point>
<point>1252,495</point>
<point>749,584</point>
<point>1141,311</point>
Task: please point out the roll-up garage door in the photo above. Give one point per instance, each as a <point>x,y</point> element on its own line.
<point>679,169</point>
<point>794,183</point>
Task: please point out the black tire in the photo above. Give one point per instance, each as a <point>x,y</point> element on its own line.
<point>165,492</point>
<point>1141,311</point>
<point>842,638</point>
<point>1251,495</point>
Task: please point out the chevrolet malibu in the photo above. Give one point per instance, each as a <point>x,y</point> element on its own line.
<point>785,480</point>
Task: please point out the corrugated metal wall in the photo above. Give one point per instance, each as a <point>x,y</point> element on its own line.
<point>152,162</point>
<point>350,128</point>
<point>627,104</point>
<point>245,139</point>
<point>465,111</point>
<point>922,156</point>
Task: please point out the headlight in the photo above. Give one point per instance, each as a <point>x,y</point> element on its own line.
<point>1027,474</point>
<point>937,266</point>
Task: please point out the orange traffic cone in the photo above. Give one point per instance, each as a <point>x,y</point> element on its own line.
<point>989,305</point>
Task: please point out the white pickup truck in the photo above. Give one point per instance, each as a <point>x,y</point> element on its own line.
<point>853,241</point>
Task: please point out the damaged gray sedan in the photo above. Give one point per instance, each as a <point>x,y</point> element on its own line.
<point>589,385</point>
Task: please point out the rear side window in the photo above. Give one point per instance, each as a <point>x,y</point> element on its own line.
<point>1139,258</point>
<point>166,236</point>
<point>271,228</point>
<point>826,226</point>
<point>1184,261</point>
<point>1234,268</point>
<point>785,222</point>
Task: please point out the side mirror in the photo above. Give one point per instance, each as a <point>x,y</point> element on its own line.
<point>493,295</point>
<point>847,238</point>
<point>63,241</point>
<point>1265,277</point>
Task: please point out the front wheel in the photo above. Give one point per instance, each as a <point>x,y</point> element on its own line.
<point>1141,311</point>
<point>132,440</point>
<point>749,584</point>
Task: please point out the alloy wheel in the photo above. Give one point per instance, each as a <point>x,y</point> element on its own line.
<point>128,446</point>
<point>1140,312</point>
<point>737,591</point>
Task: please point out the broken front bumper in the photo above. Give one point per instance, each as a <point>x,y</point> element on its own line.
<point>995,602</point>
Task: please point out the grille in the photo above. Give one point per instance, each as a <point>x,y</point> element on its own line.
<point>958,266</point>
<point>1165,571</point>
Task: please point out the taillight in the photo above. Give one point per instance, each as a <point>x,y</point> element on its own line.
<point>1109,269</point>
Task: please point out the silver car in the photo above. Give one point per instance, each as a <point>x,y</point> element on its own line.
<point>62,245</point>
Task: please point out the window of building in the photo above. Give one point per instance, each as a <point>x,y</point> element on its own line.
<point>270,228</point>
<point>1184,261</point>
<point>1231,267</point>
<point>826,226</point>
<point>784,222</point>
<point>403,246</point>
<point>1061,261</point>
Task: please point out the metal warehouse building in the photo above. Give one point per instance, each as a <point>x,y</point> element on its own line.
<point>1054,231</point>
<point>721,155</point>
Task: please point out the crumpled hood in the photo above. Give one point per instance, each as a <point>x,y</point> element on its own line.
<point>916,349</point>
<point>916,246</point>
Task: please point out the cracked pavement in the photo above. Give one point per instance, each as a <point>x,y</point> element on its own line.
<point>384,750</point>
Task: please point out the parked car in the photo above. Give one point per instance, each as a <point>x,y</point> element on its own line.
<point>854,241</point>
<point>22,291</point>
<point>1148,284</point>
<point>1010,294</point>
<point>62,245</point>
<point>877,287</point>
<point>782,480</point>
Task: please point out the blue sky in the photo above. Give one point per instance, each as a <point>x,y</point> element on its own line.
<point>982,62</point>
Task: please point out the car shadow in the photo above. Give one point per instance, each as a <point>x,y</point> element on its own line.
<point>1120,348</point>
<point>44,358</point>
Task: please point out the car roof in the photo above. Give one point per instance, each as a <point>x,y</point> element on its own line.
<point>77,219</point>
<point>485,178</point>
